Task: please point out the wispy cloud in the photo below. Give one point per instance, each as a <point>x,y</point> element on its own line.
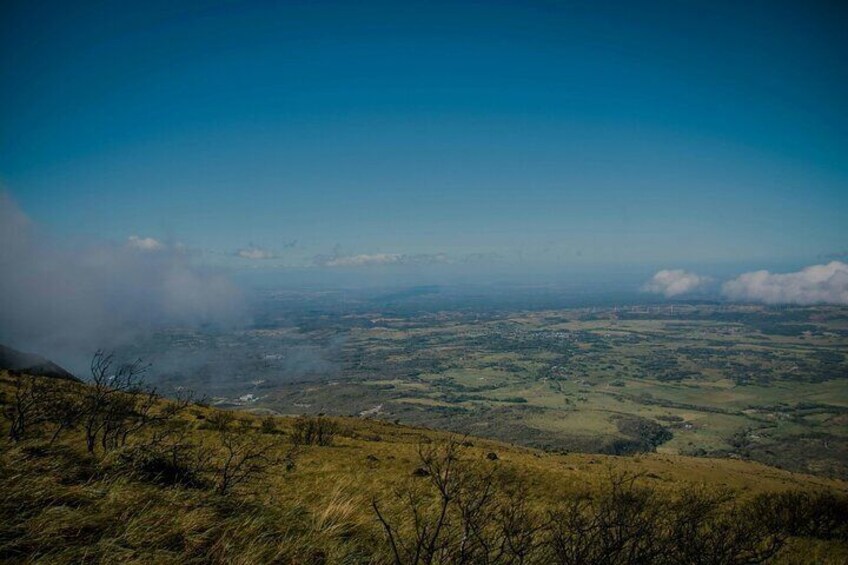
<point>380,259</point>
<point>145,243</point>
<point>488,257</point>
<point>817,284</point>
<point>255,253</point>
<point>674,282</point>
<point>364,260</point>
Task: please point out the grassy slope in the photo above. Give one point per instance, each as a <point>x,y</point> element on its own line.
<point>61,506</point>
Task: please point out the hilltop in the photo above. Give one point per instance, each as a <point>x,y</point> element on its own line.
<point>309,489</point>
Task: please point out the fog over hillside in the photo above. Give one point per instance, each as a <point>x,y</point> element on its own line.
<point>69,298</point>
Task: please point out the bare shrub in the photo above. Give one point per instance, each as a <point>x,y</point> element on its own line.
<point>309,430</point>
<point>269,425</point>
<point>464,512</point>
<point>460,510</point>
<point>822,515</point>
<point>170,460</point>
<point>233,459</point>
<point>64,409</point>
<point>220,420</point>
<point>118,403</point>
<point>620,525</point>
<point>243,458</point>
<point>628,523</point>
<point>27,409</point>
<point>38,404</point>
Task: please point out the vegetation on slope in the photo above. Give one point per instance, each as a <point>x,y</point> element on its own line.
<point>109,471</point>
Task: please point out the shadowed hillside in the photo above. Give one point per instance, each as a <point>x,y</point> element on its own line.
<point>31,364</point>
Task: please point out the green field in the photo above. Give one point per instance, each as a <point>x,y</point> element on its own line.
<point>733,381</point>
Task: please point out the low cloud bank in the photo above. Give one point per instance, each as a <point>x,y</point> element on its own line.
<point>674,282</point>
<point>817,284</point>
<point>57,297</point>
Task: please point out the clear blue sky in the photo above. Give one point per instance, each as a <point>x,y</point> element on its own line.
<point>550,132</point>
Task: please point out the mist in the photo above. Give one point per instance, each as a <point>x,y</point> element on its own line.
<point>64,299</point>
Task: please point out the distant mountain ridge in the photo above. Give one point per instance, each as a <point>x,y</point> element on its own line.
<point>32,364</point>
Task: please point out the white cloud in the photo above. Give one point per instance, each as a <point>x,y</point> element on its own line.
<point>144,243</point>
<point>674,282</point>
<point>255,253</point>
<point>816,284</point>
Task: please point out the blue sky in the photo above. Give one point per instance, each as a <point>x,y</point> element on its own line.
<point>552,134</point>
